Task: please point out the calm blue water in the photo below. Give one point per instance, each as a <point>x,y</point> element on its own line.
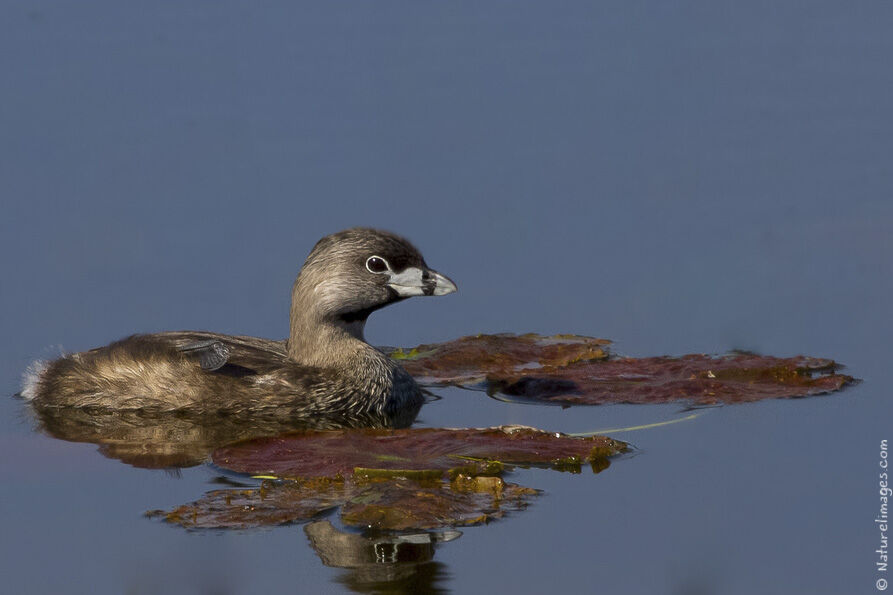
<point>679,179</point>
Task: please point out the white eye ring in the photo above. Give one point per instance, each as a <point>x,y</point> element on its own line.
<point>373,265</point>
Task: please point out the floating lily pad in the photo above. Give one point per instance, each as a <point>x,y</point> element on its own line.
<point>387,479</point>
<point>697,379</point>
<point>426,453</point>
<point>571,370</point>
<point>474,359</point>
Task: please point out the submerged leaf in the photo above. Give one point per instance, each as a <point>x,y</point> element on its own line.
<point>571,370</point>
<point>269,505</point>
<point>405,505</point>
<point>380,504</point>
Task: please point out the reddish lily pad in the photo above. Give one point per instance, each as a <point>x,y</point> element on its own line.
<point>697,379</point>
<point>469,360</point>
<point>426,453</point>
<point>572,370</point>
<point>387,479</point>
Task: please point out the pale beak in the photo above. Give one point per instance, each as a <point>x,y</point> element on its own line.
<point>417,281</point>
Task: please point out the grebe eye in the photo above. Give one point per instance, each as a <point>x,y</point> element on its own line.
<point>376,264</point>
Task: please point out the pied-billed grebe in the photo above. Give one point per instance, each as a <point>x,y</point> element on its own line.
<point>324,368</point>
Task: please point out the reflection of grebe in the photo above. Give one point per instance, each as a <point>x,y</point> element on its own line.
<point>324,368</point>
<point>166,440</point>
<point>406,557</point>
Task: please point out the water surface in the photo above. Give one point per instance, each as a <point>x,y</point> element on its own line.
<point>678,179</point>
